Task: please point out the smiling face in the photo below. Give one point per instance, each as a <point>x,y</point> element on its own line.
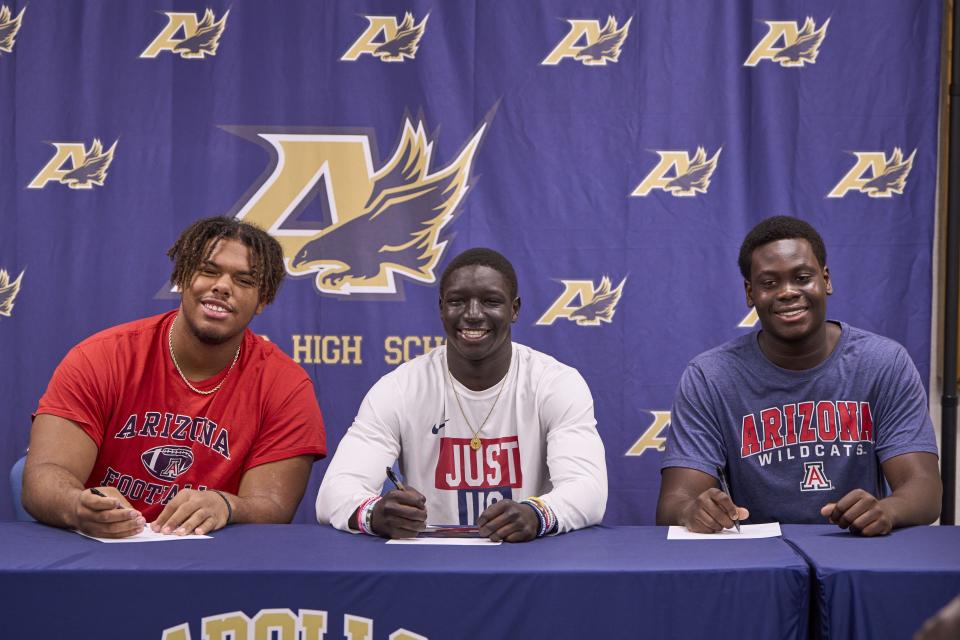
<point>477,310</point>
<point>223,296</point>
<point>789,287</point>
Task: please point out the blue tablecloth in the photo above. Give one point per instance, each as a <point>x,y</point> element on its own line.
<point>602,582</point>
<point>875,588</point>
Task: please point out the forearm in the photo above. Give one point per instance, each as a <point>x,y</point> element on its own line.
<point>672,506</point>
<point>579,502</point>
<point>576,462</point>
<point>50,494</point>
<point>915,503</point>
<point>352,522</point>
<point>684,499</point>
<point>916,489</point>
<point>259,509</point>
<point>355,474</point>
<point>338,502</point>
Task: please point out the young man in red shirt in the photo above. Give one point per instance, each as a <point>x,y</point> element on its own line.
<point>188,420</point>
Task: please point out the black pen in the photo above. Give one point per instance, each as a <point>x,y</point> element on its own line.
<point>395,480</point>
<point>97,492</point>
<point>726,489</point>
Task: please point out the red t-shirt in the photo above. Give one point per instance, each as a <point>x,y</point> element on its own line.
<point>156,437</point>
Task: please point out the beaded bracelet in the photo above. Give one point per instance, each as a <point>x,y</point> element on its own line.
<point>536,509</point>
<point>549,518</point>
<point>229,508</point>
<point>548,515</point>
<point>554,524</point>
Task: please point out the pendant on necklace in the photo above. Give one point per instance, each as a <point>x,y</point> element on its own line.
<point>475,443</point>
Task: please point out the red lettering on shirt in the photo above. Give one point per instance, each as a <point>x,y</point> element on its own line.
<point>772,421</point>
<point>789,421</point>
<point>847,412</point>
<point>866,422</point>
<point>805,409</point>
<point>822,421</point>
<point>826,421</point>
<point>495,464</point>
<point>750,442</point>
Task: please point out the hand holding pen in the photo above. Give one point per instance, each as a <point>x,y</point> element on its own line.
<point>104,513</point>
<point>401,513</point>
<point>395,480</point>
<point>726,489</point>
<point>709,508</point>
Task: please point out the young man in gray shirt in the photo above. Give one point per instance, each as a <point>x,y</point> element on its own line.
<point>807,416</point>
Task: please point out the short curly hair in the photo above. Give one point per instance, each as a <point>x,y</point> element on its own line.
<point>779,228</point>
<point>487,258</point>
<point>196,243</point>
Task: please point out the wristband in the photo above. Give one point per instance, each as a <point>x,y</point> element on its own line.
<point>365,515</point>
<point>536,509</point>
<point>548,519</point>
<point>229,508</point>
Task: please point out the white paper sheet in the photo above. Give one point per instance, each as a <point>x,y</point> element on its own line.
<point>766,530</point>
<point>457,542</point>
<point>147,535</point>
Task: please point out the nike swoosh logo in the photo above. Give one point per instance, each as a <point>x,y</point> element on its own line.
<point>436,428</point>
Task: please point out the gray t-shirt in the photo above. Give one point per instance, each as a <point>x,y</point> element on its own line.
<point>793,441</point>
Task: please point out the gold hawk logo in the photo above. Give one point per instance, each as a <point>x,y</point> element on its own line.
<point>8,28</point>
<point>201,37</point>
<point>690,175</point>
<point>887,176</point>
<point>383,223</point>
<point>399,40</point>
<point>590,44</point>
<point>8,291</point>
<point>652,438</point>
<point>594,304</point>
<point>800,45</point>
<point>86,167</point>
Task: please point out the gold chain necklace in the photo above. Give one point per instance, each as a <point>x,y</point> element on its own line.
<point>236,357</point>
<point>475,440</point>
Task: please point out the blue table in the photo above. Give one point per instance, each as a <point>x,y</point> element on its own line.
<point>601,582</point>
<point>875,588</point>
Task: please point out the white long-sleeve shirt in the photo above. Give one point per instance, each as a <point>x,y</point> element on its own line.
<point>540,440</point>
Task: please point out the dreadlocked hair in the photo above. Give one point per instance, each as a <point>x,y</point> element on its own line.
<point>196,244</point>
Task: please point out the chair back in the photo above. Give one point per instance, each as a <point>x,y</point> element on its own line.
<point>16,487</point>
